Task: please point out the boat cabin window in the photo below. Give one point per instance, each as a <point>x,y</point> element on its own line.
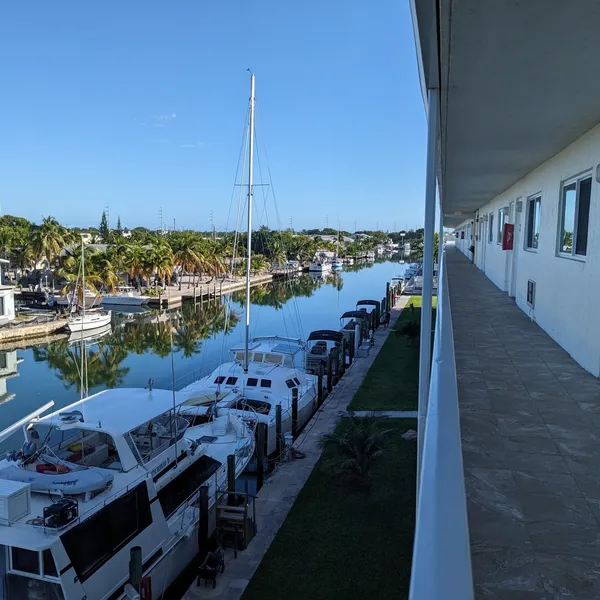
<point>258,357</point>
<point>290,383</point>
<point>110,529</point>
<point>275,359</point>
<point>32,562</point>
<point>297,381</point>
<point>258,406</point>
<point>231,380</point>
<point>252,382</point>
<point>219,380</point>
<point>177,491</point>
<point>77,445</point>
<point>266,383</point>
<point>155,436</point>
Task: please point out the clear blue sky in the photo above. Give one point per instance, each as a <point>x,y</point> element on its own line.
<point>142,103</point>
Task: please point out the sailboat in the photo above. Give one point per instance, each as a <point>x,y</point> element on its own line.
<point>337,263</point>
<point>267,371</point>
<point>94,318</point>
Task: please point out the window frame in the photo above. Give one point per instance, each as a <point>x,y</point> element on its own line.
<point>502,216</point>
<point>576,179</point>
<point>41,575</point>
<point>491,229</point>
<point>528,214</point>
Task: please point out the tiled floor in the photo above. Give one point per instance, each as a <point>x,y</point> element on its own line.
<point>530,419</point>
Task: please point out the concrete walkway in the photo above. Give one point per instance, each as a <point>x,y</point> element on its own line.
<point>390,414</point>
<point>280,491</point>
<point>530,419</point>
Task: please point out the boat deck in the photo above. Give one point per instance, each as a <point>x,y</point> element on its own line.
<point>530,419</point>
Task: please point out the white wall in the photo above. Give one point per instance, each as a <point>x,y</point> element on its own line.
<point>567,290</point>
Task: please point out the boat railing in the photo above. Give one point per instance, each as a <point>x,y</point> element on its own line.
<point>441,563</point>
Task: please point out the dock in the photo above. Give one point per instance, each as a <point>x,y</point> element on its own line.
<point>172,296</point>
<point>274,501</point>
<point>25,331</point>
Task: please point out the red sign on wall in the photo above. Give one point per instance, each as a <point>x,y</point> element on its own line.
<point>508,236</point>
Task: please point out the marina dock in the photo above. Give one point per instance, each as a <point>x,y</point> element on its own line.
<point>274,501</point>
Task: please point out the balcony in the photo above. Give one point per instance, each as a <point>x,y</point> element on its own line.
<point>529,419</point>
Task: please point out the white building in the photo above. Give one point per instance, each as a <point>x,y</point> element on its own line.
<point>7,296</point>
<point>511,91</point>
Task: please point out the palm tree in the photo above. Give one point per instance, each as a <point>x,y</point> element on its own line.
<point>187,252</point>
<point>50,238</point>
<point>104,270</point>
<point>159,260</point>
<point>354,446</point>
<point>134,258</point>
<point>70,270</point>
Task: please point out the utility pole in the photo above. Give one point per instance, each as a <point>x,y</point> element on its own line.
<point>291,225</point>
<point>160,216</point>
<point>212,225</point>
<point>173,223</point>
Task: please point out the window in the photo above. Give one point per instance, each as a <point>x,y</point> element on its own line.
<point>49,566</point>
<point>219,380</point>
<point>533,222</point>
<point>252,382</point>
<point>266,383</point>
<point>26,561</point>
<point>231,380</point>
<point>289,383</point>
<point>574,216</point>
<point>258,357</point>
<point>3,363</point>
<point>2,306</point>
<point>502,214</point>
<point>297,381</point>
<point>110,529</point>
<point>491,229</point>
<point>177,491</point>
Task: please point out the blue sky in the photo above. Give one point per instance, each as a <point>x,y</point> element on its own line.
<point>142,104</point>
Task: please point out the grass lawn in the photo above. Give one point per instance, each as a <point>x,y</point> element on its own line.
<point>392,382</point>
<point>339,542</point>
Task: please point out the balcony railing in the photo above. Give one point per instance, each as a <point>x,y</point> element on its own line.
<point>441,567</point>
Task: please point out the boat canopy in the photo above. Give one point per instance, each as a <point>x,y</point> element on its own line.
<point>369,303</point>
<point>355,314</point>
<point>327,335</point>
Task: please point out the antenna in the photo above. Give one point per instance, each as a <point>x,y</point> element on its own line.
<point>160,216</point>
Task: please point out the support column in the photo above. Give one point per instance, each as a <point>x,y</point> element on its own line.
<point>429,229</point>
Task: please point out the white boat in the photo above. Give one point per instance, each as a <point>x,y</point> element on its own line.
<point>320,266</point>
<point>90,299</point>
<point>88,320</point>
<point>112,471</point>
<point>274,375</point>
<point>126,296</point>
<point>94,318</point>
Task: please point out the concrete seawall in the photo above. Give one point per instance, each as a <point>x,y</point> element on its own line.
<point>23,332</point>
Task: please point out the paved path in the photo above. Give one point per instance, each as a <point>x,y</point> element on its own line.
<point>280,491</point>
<point>391,414</point>
<point>530,420</point>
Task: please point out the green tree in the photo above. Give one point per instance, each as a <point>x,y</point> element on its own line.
<point>49,239</point>
<point>103,230</point>
<point>119,230</point>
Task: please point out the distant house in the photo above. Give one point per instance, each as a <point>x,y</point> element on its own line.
<point>86,236</point>
<point>7,296</point>
<point>126,233</point>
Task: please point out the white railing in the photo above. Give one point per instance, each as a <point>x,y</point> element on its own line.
<point>441,565</point>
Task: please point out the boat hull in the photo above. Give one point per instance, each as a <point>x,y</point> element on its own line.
<point>80,324</point>
<point>125,300</point>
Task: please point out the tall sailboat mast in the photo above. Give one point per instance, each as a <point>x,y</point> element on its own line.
<point>249,235</point>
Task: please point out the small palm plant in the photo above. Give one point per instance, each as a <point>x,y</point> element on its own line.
<point>411,329</point>
<point>354,447</point>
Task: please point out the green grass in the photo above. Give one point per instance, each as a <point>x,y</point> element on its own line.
<point>339,542</point>
<point>392,382</point>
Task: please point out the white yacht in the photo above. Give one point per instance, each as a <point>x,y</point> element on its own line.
<point>90,298</point>
<point>126,296</point>
<point>115,470</point>
<point>320,266</point>
<point>274,374</point>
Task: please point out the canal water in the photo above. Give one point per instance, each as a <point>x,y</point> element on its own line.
<point>138,345</point>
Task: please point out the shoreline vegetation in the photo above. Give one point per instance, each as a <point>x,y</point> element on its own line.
<point>50,253</point>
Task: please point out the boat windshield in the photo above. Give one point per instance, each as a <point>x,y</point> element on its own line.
<point>155,436</point>
<point>75,445</point>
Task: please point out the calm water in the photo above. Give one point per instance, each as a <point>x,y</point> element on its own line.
<point>139,345</point>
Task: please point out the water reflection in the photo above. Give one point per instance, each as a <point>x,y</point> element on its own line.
<point>8,368</point>
<point>107,348</point>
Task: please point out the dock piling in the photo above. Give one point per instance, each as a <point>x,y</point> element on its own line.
<point>294,413</point>
<point>260,455</point>
<point>135,567</point>
<point>357,338</point>
<point>344,352</point>
<point>320,375</point>
<point>278,438</point>
<point>203,523</point>
<point>387,295</point>
<point>230,478</point>
<point>329,373</point>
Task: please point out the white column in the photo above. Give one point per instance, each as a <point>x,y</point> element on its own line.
<point>429,230</point>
